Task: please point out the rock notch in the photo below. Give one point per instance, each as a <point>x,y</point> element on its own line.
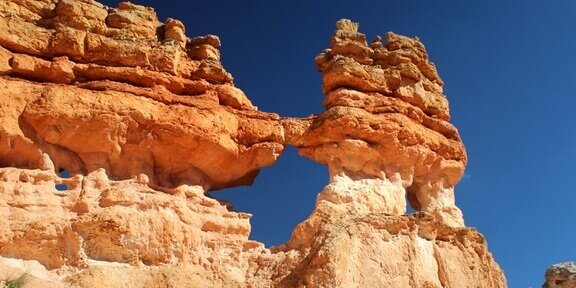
<point>115,126</point>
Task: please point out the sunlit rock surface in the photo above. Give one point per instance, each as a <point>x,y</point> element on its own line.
<point>561,275</point>
<point>115,126</point>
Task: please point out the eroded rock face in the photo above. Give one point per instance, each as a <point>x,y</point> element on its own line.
<point>385,103</point>
<point>114,221</point>
<point>141,97</point>
<point>561,275</point>
<point>146,121</point>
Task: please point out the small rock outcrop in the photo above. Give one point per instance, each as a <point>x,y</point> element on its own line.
<point>562,275</point>
<point>115,126</point>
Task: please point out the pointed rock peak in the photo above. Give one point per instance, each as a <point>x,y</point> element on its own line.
<point>347,25</point>
<point>400,42</point>
<point>347,31</point>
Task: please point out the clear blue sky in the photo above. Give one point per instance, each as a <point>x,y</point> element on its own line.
<point>509,69</point>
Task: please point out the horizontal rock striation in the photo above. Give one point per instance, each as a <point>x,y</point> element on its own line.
<point>112,88</point>
<point>386,125</point>
<point>115,126</point>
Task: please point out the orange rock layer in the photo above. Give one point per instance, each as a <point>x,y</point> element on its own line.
<point>146,121</point>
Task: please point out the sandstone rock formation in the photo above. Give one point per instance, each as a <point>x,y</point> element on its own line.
<point>130,79</point>
<point>145,121</point>
<point>561,275</point>
<point>384,102</point>
<point>385,132</point>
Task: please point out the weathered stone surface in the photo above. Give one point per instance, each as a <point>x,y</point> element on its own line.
<point>83,130</point>
<point>109,44</point>
<point>146,121</point>
<point>562,275</point>
<point>125,221</point>
<point>395,116</point>
<point>381,250</point>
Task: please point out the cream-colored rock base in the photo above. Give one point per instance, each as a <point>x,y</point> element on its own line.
<point>362,194</point>
<point>107,233</point>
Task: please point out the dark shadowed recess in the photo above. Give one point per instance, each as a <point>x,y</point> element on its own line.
<point>295,182</point>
